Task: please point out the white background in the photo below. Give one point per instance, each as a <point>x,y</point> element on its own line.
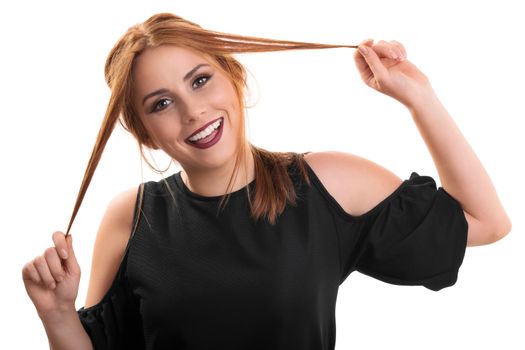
<point>53,98</point>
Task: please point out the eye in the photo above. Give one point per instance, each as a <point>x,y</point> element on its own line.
<point>156,106</point>
<point>201,78</point>
<point>199,81</point>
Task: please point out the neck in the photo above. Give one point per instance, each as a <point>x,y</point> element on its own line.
<point>214,182</point>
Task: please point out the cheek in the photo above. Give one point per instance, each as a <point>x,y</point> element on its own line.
<point>163,129</point>
<point>223,95</point>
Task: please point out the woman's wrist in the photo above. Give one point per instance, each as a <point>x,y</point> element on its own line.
<point>64,330</point>
<point>59,315</point>
<point>421,100</point>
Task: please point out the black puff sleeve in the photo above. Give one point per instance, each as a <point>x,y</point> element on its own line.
<point>415,236</point>
<point>115,322</point>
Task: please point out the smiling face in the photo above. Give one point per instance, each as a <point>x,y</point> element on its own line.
<point>177,92</point>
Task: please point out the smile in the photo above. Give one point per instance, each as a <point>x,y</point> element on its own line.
<point>208,135</point>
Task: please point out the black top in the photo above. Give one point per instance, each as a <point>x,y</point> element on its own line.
<point>191,279</point>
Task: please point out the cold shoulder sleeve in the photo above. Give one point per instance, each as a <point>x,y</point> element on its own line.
<point>415,236</point>
<point>115,322</point>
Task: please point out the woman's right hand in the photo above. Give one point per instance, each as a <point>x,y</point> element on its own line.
<point>51,280</point>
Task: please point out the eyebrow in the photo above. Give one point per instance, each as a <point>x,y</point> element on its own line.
<point>163,90</point>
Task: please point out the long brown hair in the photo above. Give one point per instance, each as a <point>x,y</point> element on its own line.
<point>273,186</point>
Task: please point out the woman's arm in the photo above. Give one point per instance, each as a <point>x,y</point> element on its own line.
<point>383,66</point>
<point>460,171</point>
<point>52,284</point>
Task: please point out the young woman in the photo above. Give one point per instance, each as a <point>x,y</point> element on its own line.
<point>245,248</point>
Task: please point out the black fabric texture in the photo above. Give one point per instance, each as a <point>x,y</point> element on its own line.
<point>193,278</point>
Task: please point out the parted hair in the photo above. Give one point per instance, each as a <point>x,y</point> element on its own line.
<point>273,186</point>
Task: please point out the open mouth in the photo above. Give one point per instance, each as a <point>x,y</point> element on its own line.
<point>208,135</point>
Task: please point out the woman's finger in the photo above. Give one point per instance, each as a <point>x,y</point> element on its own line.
<point>385,50</point>
<point>54,264</point>
<point>43,271</point>
<point>393,50</point>
<point>401,49</point>
<point>29,272</point>
<point>59,239</point>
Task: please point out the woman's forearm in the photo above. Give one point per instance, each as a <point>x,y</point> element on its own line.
<point>65,332</point>
<point>460,171</point>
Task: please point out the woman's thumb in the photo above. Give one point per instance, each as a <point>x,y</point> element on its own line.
<point>71,261</point>
<point>373,61</point>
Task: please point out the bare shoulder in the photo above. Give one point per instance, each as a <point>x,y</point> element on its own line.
<point>111,241</point>
<point>356,183</point>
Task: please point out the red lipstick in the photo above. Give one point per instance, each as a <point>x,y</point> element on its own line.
<point>209,140</point>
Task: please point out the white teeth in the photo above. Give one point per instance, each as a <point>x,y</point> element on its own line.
<point>206,131</point>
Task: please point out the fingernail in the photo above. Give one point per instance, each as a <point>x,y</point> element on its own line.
<point>63,252</point>
<point>363,50</point>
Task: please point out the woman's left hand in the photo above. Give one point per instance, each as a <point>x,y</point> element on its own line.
<point>384,67</point>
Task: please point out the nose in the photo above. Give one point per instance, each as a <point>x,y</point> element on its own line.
<point>193,110</point>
